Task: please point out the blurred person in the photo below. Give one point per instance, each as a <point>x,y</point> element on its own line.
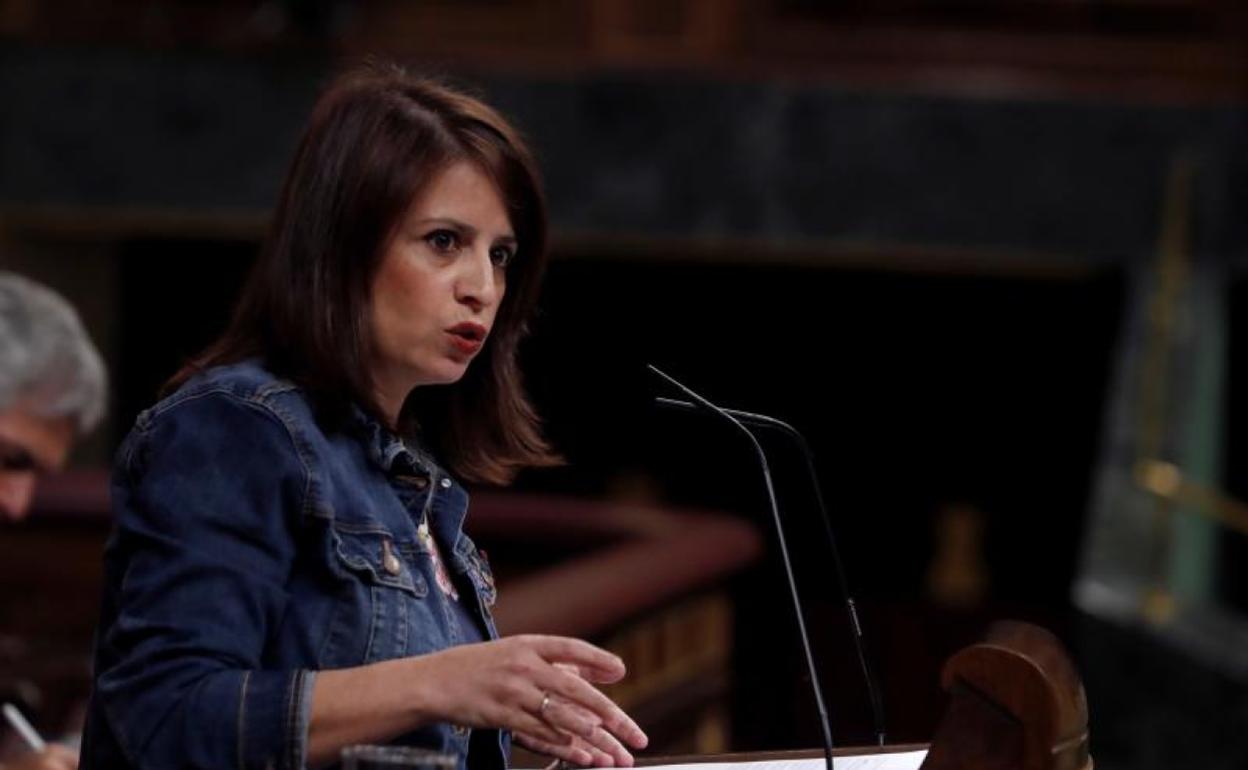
<point>52,390</point>
<point>289,574</point>
<point>52,387</point>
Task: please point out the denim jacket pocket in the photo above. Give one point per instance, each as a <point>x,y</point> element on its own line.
<point>374,606</point>
<point>376,557</point>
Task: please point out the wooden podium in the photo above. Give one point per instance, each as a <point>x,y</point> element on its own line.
<point>1016,703</point>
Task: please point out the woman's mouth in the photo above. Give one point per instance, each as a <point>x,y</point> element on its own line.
<point>467,337</point>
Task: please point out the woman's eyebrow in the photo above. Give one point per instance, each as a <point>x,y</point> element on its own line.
<point>454,224</point>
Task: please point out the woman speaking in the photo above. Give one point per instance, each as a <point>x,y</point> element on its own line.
<point>289,573</point>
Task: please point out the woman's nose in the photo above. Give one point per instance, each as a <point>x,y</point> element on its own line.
<point>479,285</point>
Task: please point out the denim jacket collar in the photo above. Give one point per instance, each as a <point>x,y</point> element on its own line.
<point>385,448</point>
<point>446,506</point>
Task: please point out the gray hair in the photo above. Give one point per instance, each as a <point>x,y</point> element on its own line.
<point>47,361</point>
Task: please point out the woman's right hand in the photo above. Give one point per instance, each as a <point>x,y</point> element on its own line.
<point>539,687</point>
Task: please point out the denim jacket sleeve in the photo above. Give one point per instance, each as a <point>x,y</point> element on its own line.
<point>208,492</point>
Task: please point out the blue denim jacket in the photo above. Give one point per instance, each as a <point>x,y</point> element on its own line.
<point>253,549</point>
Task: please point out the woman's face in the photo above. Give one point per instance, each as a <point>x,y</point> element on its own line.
<point>439,284</point>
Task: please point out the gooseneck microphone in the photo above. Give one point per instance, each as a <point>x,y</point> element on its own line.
<point>851,609</point>
<point>824,722</point>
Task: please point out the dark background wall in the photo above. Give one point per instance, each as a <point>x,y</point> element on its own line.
<point>653,155</point>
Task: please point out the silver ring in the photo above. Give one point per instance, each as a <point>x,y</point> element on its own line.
<point>541,710</point>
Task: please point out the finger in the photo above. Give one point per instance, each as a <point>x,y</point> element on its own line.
<point>578,691</point>
<point>574,689</point>
<point>589,674</point>
<point>586,727</point>
<point>522,721</point>
<point>576,752</point>
<point>569,717</point>
<point>607,743</point>
<point>64,756</point>
<point>57,757</point>
<point>592,662</point>
<point>600,758</point>
<point>569,752</point>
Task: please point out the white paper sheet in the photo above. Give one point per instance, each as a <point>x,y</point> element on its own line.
<point>902,760</point>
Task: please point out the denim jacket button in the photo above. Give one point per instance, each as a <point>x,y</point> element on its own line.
<point>446,483</point>
<point>388,560</point>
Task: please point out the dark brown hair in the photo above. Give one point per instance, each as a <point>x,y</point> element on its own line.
<point>377,137</point>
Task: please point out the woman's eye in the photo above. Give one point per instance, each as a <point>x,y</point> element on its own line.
<point>442,240</point>
<point>501,256</point>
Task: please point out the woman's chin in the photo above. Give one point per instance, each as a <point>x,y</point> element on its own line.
<point>448,373</point>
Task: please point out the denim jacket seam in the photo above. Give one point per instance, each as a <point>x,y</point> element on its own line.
<point>275,388</point>
<point>242,721</point>
<point>128,449</point>
<point>294,707</point>
<point>263,398</point>
<point>370,640</point>
<point>377,528</point>
<point>151,416</point>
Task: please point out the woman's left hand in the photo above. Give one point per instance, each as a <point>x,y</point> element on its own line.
<point>601,751</point>
<point>541,688</point>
